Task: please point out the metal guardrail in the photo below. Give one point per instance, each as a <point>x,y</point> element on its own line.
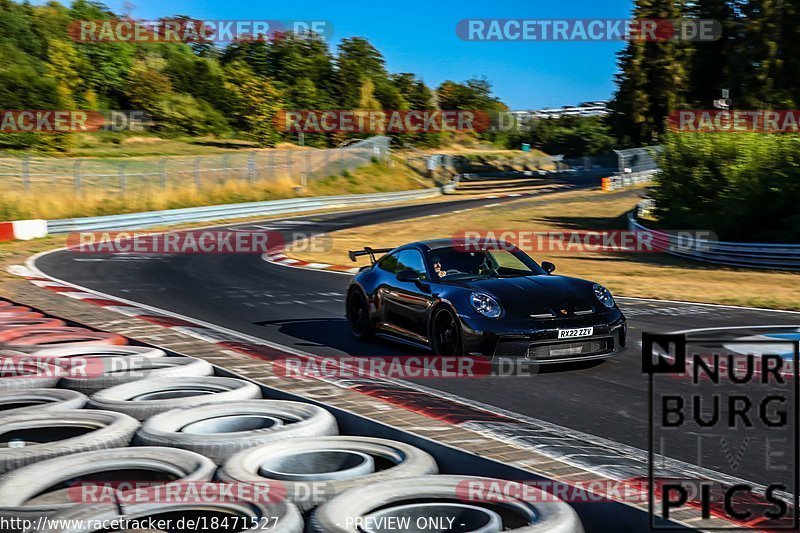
<point>739,254</point>
<point>218,212</point>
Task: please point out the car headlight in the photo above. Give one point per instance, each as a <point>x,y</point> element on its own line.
<point>604,295</point>
<point>485,305</point>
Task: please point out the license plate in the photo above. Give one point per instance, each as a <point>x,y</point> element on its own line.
<point>574,333</point>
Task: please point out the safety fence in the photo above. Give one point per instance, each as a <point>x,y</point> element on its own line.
<point>750,255</point>
<point>490,165</point>
<point>129,175</point>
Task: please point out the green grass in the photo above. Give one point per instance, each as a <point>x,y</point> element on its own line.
<point>375,177</point>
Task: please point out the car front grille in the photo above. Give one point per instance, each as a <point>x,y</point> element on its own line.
<point>570,349</point>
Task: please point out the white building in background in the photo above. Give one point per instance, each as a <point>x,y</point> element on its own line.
<point>596,108</point>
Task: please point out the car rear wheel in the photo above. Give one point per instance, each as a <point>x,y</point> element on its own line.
<point>445,333</point>
<point>358,315</point>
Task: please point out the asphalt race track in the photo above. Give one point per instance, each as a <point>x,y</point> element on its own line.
<point>304,309</point>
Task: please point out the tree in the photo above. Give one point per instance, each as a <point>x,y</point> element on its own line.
<point>413,90</point>
<point>258,101</point>
<point>305,59</point>
<point>651,81</point>
<point>474,94</point>
<point>358,61</point>
<point>711,65</point>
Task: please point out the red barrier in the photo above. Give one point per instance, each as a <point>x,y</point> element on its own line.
<point>13,310</point>
<point>35,337</point>
<point>26,321</point>
<point>18,316</point>
<point>6,231</point>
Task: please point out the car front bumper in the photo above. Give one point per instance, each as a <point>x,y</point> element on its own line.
<point>536,341</point>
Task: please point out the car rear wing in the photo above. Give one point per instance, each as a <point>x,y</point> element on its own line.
<point>368,251</point>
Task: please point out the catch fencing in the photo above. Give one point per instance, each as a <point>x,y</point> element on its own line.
<point>634,166</point>
<point>39,175</point>
<point>635,160</point>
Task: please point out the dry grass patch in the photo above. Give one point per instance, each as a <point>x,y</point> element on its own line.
<point>641,275</point>
<point>65,203</point>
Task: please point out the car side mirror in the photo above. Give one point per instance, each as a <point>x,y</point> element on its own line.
<point>548,267</point>
<point>407,275</point>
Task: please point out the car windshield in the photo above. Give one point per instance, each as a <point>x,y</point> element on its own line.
<point>460,263</point>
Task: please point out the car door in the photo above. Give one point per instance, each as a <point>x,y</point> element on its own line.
<point>405,303</point>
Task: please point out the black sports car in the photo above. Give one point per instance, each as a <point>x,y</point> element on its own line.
<point>493,300</point>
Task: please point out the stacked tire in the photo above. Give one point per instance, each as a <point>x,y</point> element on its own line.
<point>86,418</point>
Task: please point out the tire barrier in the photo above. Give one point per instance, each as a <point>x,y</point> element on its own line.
<point>280,516</point>
<point>96,351</point>
<point>35,436</point>
<point>55,485</point>
<point>22,320</point>
<point>19,371</point>
<point>112,371</point>
<point>193,422</point>
<point>147,397</point>
<point>342,462</point>
<point>443,497</point>
<point>11,311</point>
<point>29,339</point>
<point>220,430</point>
<point>23,400</point>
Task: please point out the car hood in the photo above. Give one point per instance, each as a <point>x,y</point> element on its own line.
<point>541,295</point>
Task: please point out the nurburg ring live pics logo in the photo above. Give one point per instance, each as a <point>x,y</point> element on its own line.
<point>727,404</point>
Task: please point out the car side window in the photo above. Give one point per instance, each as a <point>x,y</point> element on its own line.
<point>405,260</point>
<point>389,263</point>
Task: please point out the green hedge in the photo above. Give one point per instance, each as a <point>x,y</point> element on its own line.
<point>743,186</point>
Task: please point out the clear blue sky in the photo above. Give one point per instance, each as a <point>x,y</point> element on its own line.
<point>419,36</point>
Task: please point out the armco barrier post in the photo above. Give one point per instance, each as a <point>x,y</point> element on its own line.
<point>162,173</point>
<point>197,172</point>
<point>304,183</point>
<point>122,178</point>
<point>271,167</point>
<point>251,167</point>
<point>26,178</point>
<point>77,168</point>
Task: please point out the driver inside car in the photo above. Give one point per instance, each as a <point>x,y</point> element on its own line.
<point>464,263</point>
<point>437,267</point>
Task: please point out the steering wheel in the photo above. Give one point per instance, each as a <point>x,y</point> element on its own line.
<point>486,268</point>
